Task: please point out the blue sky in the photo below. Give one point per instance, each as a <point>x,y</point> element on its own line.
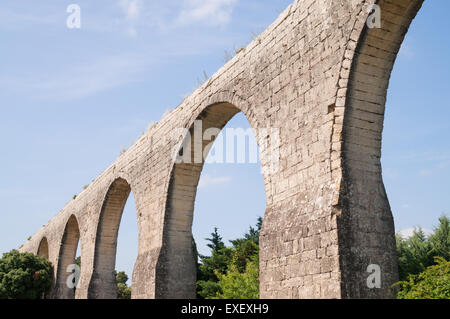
<point>71,100</point>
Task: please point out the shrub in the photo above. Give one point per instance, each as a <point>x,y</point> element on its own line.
<point>433,283</point>
<point>24,276</point>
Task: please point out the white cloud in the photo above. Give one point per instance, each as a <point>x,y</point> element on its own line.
<point>440,166</point>
<point>207,180</point>
<point>131,8</point>
<point>390,173</point>
<point>407,49</point>
<point>211,12</point>
<point>77,81</point>
<point>425,172</point>
<point>132,11</point>
<point>444,165</point>
<point>406,233</point>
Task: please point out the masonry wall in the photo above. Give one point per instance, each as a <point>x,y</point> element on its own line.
<point>301,76</point>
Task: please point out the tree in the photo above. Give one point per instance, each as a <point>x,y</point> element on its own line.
<point>207,289</point>
<point>417,253</point>
<point>243,251</point>
<point>239,285</point>
<point>424,263</point>
<point>440,240</point>
<point>24,276</point>
<point>253,233</point>
<point>123,291</point>
<point>209,266</point>
<point>121,277</point>
<point>230,272</point>
<point>216,242</point>
<point>433,283</point>
<point>78,261</point>
<point>412,254</point>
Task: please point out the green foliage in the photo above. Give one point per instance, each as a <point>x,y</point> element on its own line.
<point>239,285</point>
<point>123,291</point>
<point>230,272</point>
<point>412,254</point>
<point>242,252</point>
<point>423,263</point>
<point>253,233</point>
<point>24,276</point>
<point>78,261</point>
<point>121,277</point>
<point>417,253</point>
<point>211,265</point>
<point>440,240</point>
<point>433,283</point>
<point>207,289</point>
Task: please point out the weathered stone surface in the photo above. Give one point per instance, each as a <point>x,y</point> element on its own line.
<point>320,75</point>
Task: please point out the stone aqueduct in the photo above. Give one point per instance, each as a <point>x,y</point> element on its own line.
<point>318,73</point>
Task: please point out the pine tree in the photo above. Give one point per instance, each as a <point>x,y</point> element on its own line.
<point>440,240</point>
<point>253,233</point>
<point>230,272</point>
<point>216,242</point>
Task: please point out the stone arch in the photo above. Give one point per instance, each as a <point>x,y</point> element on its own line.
<point>43,248</point>
<point>103,282</point>
<point>67,255</point>
<point>369,235</point>
<point>176,268</point>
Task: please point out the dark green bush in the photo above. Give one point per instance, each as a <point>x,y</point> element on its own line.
<point>24,276</point>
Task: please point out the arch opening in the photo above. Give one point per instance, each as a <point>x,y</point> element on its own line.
<point>43,248</point>
<point>103,283</point>
<point>66,274</point>
<point>415,133</point>
<point>177,264</point>
<point>415,139</point>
